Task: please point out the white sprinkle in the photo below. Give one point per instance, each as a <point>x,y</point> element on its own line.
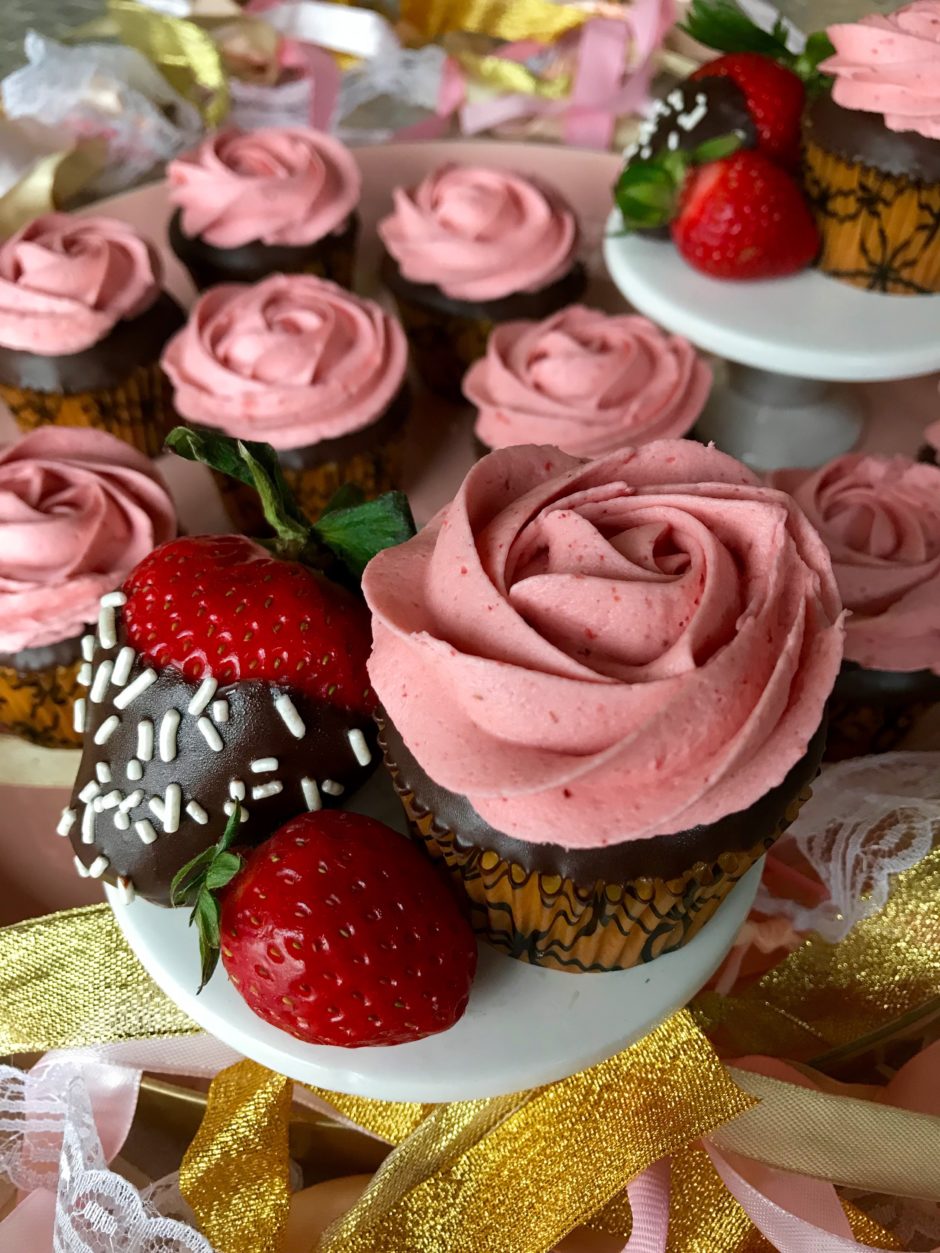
<point>112,800</point>
<point>81,867</point>
<point>210,734</point>
<point>220,710</point>
<point>125,888</point>
<point>89,791</point>
<point>156,806</point>
<point>84,674</point>
<point>144,829</point>
<point>100,685</point>
<point>88,825</point>
<point>229,809</point>
<point>236,789</point>
<point>131,802</point>
<point>332,788</point>
<point>103,771</point>
<point>88,647</point>
<point>122,666</point>
<point>701,98</point>
<point>97,805</point>
<point>689,121</point>
<point>204,694</point>
<point>197,813</point>
<point>107,631</point>
<point>121,821</point>
<point>646,152</point>
<point>264,790</point>
<point>145,739</point>
<point>660,108</point>
<point>672,141</point>
<point>263,764</point>
<point>311,794</point>
<point>113,600</point>
<point>676,99</point>
<point>98,866</point>
<point>289,715</point>
<point>78,715</point>
<point>174,799</point>
<point>107,729</point>
<point>140,684</point>
<point>168,728</point>
<point>134,770</point>
<point>66,822</point>
<point>357,742</point>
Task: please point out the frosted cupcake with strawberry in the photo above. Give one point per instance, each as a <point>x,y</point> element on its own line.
<point>603,686</point>
<point>305,366</point>
<point>471,247</point>
<point>880,518</point>
<point>585,382</point>
<point>278,199</point>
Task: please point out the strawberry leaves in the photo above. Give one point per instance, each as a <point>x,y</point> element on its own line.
<point>724,26</point>
<point>195,884</point>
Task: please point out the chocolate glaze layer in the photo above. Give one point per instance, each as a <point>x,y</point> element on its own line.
<point>45,657</point>
<point>660,856</point>
<point>249,263</point>
<point>885,687</point>
<point>386,426</point>
<point>132,342</point>
<point>862,138</point>
<point>254,730</point>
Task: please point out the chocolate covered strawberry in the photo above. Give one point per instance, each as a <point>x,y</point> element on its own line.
<point>338,930</point>
<point>226,673</point>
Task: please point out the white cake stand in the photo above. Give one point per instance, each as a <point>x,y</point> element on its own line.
<point>789,344</point>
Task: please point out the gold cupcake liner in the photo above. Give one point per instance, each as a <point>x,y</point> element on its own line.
<point>878,231</point>
<point>39,705</point>
<point>443,345</point>
<point>862,728</point>
<point>139,410</point>
<point>552,921</point>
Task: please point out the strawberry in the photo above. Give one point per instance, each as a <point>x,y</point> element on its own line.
<point>774,96</point>
<point>337,930</point>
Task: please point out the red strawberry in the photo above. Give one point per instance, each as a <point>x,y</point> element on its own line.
<point>775,97</point>
<point>339,931</point>
<point>744,218</point>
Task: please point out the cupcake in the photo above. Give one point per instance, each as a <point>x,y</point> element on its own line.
<point>82,322</point>
<point>469,248</point>
<point>78,509</point>
<point>603,687</point>
<point>585,382</point>
<point>872,152</point>
<point>880,518</point>
<point>249,204</point>
<point>305,366</point>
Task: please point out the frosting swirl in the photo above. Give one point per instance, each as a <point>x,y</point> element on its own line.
<point>278,185</point>
<point>66,281</point>
<point>292,360</point>
<point>585,382</point>
<point>602,651</point>
<point>880,518</point>
<point>890,63</point>
<point>480,234</point>
<point>78,510</point>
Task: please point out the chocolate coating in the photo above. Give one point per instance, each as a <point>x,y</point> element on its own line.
<point>131,342</point>
<point>885,687</point>
<point>254,730</point>
<point>342,447</point>
<point>29,660</point>
<point>662,856</point>
<point>863,138</point>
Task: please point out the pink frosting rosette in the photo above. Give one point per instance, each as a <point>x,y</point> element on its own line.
<point>880,518</point>
<point>585,382</point>
<point>480,234</point>
<point>292,360</point>
<point>278,185</point>
<point>78,510</point>
<point>890,63</point>
<point>609,650</point>
<point>66,281</point>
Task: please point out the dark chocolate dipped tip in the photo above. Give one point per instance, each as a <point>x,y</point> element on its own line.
<point>927,455</point>
<point>130,343</point>
<point>660,856</point>
<point>885,687</point>
<point>862,138</point>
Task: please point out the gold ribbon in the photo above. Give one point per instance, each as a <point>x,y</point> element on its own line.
<point>50,183</point>
<point>501,19</point>
<point>510,76</point>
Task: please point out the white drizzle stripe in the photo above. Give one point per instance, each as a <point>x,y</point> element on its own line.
<point>131,802</point>
<point>91,789</point>
<point>172,805</point>
<point>98,866</point>
<point>113,600</point>
<point>88,825</point>
<point>311,794</point>
<point>157,808</point>
<point>107,630</point>
<point>81,867</point>
<point>168,728</point>
<point>126,891</point>
<point>263,765</point>
<point>197,813</point>
<point>100,685</point>
<point>210,734</point>
<point>236,789</point>
<point>66,822</point>
<point>107,729</point>
<point>88,647</point>
<point>289,716</point>
<point>145,739</point>
<point>121,821</point>
<point>204,694</point>
<point>357,742</point>
<point>103,771</point>
<point>140,684</point>
<point>144,829</point>
<point>78,715</point>
<point>123,665</point>
<point>84,674</point>
<point>332,788</point>
<point>262,792</point>
<point>220,711</point>
<point>134,770</point>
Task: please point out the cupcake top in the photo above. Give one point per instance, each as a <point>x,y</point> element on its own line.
<point>890,64</point>
<point>292,360</point>
<point>880,518</point>
<point>279,185</point>
<point>66,281</point>
<point>593,652</point>
<point>585,382</point>
<point>480,234</point>
<point>78,510</point>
